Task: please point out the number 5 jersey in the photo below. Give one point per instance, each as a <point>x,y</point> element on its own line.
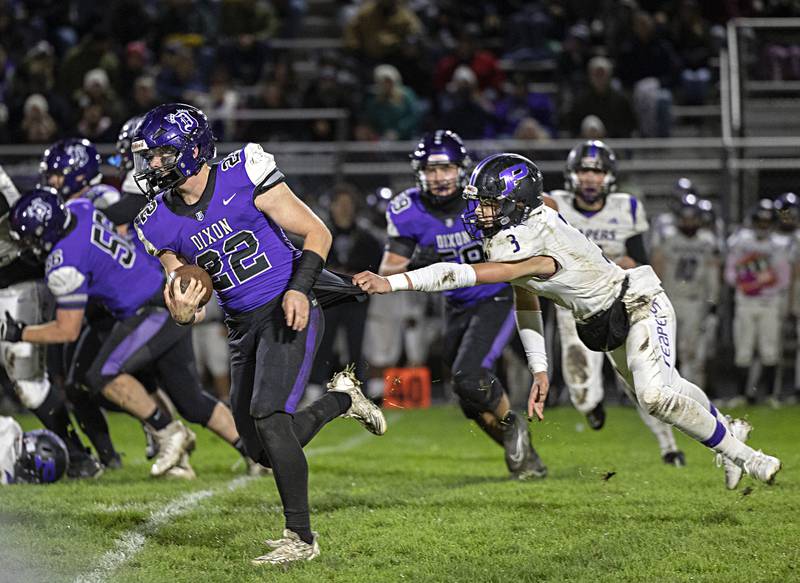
<point>93,262</point>
<point>247,255</point>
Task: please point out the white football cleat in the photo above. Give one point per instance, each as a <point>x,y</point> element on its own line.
<point>182,471</point>
<point>762,467</point>
<point>274,543</point>
<point>361,409</point>
<point>173,441</point>
<point>290,548</point>
<point>733,473</point>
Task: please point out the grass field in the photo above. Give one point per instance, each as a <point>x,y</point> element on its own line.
<point>427,502</point>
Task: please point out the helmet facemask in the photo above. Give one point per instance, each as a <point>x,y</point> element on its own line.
<point>440,191</point>
<point>156,169</point>
<point>488,215</point>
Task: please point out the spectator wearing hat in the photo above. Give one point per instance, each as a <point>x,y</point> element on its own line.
<point>37,126</point>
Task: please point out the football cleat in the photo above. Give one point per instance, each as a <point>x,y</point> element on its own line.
<point>361,409</point>
<point>274,543</point>
<point>674,458</point>
<point>173,441</point>
<point>521,458</point>
<point>113,463</point>
<point>762,467</point>
<point>733,473</point>
<point>596,418</point>
<point>84,466</point>
<point>182,471</point>
<point>290,548</point>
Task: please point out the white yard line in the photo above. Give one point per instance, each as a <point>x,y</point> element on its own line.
<point>132,541</point>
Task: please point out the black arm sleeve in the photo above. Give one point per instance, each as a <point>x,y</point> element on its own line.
<point>636,250</point>
<point>401,246</point>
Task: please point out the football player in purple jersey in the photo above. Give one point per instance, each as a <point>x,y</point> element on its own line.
<point>87,260</point>
<point>426,221</point>
<point>229,218</point>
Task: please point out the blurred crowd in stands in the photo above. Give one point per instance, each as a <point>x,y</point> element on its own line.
<point>515,68</point>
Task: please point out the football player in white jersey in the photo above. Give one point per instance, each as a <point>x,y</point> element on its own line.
<point>759,267</point>
<point>616,222</point>
<point>686,259</point>
<point>623,312</point>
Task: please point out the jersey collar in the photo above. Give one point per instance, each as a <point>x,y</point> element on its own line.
<point>178,206</point>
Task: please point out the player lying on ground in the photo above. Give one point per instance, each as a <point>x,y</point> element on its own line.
<point>33,457</point>
<point>623,312</point>
<point>228,218</point>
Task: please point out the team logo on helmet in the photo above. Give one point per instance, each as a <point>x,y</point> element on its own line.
<point>78,154</point>
<point>41,210</point>
<point>184,119</point>
<point>512,176</point>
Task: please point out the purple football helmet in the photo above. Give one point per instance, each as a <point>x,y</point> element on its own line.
<point>124,142</point>
<point>440,147</point>
<point>44,458</point>
<point>74,159</point>
<point>170,133</point>
<point>591,155</point>
<point>39,220</point>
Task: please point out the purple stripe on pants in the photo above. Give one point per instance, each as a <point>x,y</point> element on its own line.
<point>716,437</point>
<point>305,369</point>
<point>146,329</point>
<point>500,341</point>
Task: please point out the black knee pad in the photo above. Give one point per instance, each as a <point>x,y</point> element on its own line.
<point>477,392</point>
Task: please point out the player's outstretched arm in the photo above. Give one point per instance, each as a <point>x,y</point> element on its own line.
<point>531,332</point>
<point>447,276</point>
<point>65,328</point>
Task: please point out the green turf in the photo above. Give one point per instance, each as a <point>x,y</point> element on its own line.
<point>428,502</point>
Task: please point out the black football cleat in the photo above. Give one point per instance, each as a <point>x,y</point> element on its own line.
<point>83,466</point>
<point>596,418</point>
<point>522,460</point>
<point>112,463</point>
<point>674,458</point>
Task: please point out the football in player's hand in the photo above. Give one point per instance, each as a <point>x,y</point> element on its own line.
<point>188,272</point>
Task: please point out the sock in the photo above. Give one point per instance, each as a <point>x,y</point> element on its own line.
<point>93,423</point>
<point>54,416</point>
<point>310,420</point>
<point>662,432</point>
<point>290,469</point>
<point>768,374</point>
<point>723,441</point>
<point>239,446</point>
<point>743,373</point>
<point>159,419</point>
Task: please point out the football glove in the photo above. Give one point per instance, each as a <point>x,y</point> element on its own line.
<point>11,329</point>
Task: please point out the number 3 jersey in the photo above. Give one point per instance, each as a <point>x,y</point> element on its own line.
<point>93,262</point>
<point>410,223</point>
<point>247,255</point>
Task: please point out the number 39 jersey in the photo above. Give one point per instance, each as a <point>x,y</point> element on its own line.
<point>407,218</point>
<point>686,259</point>
<point>93,261</point>
<point>247,255</point>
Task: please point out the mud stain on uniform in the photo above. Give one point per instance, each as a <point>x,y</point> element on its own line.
<point>577,365</point>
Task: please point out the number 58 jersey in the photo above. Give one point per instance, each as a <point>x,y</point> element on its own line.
<point>93,262</point>
<point>248,256</point>
<point>409,220</point>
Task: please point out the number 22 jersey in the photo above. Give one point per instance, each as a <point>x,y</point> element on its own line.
<point>247,255</point>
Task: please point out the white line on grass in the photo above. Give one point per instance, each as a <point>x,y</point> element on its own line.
<point>132,541</point>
